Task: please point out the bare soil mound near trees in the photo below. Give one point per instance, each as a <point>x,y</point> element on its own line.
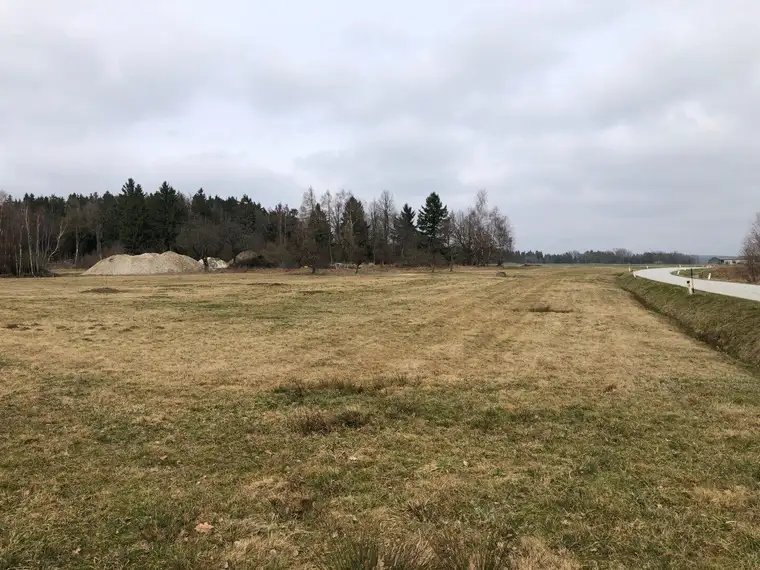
<point>146,264</point>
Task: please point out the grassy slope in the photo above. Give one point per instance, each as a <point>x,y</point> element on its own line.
<point>735,273</point>
<point>727,323</point>
<point>292,413</point>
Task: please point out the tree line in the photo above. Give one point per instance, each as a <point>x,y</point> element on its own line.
<point>332,228</point>
<point>606,257</point>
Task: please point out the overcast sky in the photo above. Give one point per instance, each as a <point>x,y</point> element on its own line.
<point>592,124</point>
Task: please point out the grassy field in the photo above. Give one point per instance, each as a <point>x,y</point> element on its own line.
<point>271,420</point>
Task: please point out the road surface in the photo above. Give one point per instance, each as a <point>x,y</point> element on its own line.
<point>664,275</point>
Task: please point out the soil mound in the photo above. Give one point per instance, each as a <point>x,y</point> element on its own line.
<point>146,264</point>
<point>215,264</point>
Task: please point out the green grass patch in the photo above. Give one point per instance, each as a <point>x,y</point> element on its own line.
<point>124,484</point>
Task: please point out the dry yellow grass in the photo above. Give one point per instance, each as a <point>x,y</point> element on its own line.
<point>290,410</point>
<point>205,330</point>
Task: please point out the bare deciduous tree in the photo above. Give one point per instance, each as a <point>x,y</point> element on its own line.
<point>336,218</point>
<point>502,235</point>
<point>328,207</point>
<point>95,215</point>
<point>308,203</point>
<point>387,214</point>
<point>76,222</point>
<point>751,250</point>
<point>482,235</point>
<point>202,237</point>
<point>375,229</point>
<point>482,229</point>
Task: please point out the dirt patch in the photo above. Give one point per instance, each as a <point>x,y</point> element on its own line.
<point>548,309</point>
<point>103,290</point>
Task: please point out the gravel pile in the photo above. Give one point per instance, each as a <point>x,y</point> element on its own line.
<point>146,264</point>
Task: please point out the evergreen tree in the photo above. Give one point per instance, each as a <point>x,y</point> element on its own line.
<point>430,222</point>
<point>355,232</point>
<point>167,213</point>
<point>112,219</point>
<point>254,219</point>
<point>317,243</point>
<point>132,217</point>
<point>200,205</point>
<point>405,232</point>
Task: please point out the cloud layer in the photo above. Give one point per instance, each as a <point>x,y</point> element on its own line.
<point>592,124</point>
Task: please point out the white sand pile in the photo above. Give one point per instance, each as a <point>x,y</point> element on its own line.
<point>146,264</point>
<point>215,264</point>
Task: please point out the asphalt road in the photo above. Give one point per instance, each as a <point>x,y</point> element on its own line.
<point>664,275</point>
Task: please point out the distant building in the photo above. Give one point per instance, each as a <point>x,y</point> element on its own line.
<point>729,260</point>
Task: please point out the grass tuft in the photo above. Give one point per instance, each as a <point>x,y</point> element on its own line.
<point>370,553</point>
<point>309,421</point>
<point>297,390</point>
<point>103,290</point>
<point>483,553</point>
<point>344,385</point>
<point>352,419</point>
<point>441,551</point>
<point>490,419</point>
<point>294,390</point>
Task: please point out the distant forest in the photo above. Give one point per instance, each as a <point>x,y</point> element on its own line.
<point>39,231</point>
<point>604,257</point>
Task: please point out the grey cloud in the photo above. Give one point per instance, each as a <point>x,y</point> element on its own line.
<point>592,124</point>
<point>217,173</point>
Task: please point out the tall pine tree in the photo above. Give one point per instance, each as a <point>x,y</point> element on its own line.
<point>430,222</point>
<point>132,217</point>
<point>167,213</point>
<point>355,232</point>
<point>317,243</point>
<point>200,205</point>
<point>405,233</point>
